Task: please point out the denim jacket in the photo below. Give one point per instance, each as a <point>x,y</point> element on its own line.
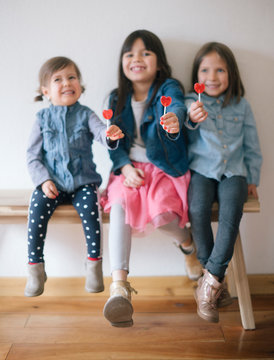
<point>60,146</point>
<point>226,143</point>
<point>164,150</point>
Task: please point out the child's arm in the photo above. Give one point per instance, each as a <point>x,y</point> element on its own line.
<point>170,123</point>
<point>197,112</point>
<point>252,190</point>
<point>49,189</point>
<point>133,177</point>
<point>99,131</point>
<point>251,147</point>
<point>114,133</point>
<point>37,170</point>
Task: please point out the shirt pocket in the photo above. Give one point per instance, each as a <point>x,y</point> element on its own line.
<point>233,125</point>
<point>80,137</point>
<point>50,138</point>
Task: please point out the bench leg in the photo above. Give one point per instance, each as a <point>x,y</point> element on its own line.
<point>230,281</point>
<point>242,287</point>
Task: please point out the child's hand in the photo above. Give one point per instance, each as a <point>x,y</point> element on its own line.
<point>252,190</point>
<point>114,133</point>
<point>197,112</point>
<point>170,123</point>
<point>49,189</point>
<point>133,177</point>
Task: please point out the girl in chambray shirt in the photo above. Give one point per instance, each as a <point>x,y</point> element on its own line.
<point>225,162</point>
<point>60,163</point>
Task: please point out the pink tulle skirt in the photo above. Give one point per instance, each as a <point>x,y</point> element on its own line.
<point>159,201</point>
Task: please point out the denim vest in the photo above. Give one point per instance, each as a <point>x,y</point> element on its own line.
<point>166,151</point>
<point>60,146</point>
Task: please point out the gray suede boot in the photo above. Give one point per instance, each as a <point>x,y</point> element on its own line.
<point>118,309</point>
<point>36,280</point>
<point>94,276</point>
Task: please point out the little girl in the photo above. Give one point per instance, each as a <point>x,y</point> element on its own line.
<point>225,161</point>
<point>149,182</point>
<point>60,163</point>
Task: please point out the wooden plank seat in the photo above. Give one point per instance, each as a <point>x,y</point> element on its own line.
<point>14,210</point>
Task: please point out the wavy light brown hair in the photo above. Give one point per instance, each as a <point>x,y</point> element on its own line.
<point>49,68</point>
<point>235,85</point>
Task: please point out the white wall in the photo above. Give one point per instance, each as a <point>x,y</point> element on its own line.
<point>91,33</point>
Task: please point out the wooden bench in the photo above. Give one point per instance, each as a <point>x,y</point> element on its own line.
<point>14,210</point>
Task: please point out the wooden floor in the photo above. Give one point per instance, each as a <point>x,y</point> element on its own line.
<point>65,323</point>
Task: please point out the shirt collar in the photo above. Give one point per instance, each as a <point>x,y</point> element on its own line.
<point>210,100</point>
<point>58,108</point>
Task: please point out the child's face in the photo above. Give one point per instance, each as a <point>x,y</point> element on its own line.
<point>139,64</point>
<point>214,74</point>
<point>63,87</point>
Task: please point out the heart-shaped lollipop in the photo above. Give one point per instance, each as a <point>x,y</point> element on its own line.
<point>166,100</point>
<point>107,114</point>
<point>199,88</point>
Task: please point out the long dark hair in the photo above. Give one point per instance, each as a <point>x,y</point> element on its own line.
<point>235,85</point>
<point>152,43</point>
<point>50,67</point>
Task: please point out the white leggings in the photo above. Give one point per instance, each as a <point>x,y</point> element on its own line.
<point>120,237</point>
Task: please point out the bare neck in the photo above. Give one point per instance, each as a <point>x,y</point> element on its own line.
<point>140,91</point>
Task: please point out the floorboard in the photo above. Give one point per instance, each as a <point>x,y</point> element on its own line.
<point>166,326</point>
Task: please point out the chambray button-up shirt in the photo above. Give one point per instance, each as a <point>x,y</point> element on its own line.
<point>226,143</point>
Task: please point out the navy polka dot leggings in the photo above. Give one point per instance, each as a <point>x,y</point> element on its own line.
<point>41,208</point>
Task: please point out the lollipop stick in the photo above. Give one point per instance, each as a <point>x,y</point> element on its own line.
<point>164,110</point>
<point>199,97</point>
<point>107,114</point>
<point>108,125</point>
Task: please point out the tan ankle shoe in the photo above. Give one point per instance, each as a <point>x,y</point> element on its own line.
<point>118,309</point>
<point>193,266</point>
<point>206,295</point>
<point>224,299</point>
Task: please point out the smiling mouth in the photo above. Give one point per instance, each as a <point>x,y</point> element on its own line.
<point>137,68</point>
<point>68,92</point>
<point>212,86</point>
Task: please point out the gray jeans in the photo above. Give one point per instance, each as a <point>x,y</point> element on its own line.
<point>231,194</point>
<point>120,237</point>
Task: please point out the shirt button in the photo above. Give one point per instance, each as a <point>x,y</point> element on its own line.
<point>225,146</point>
<point>219,116</point>
<point>220,132</point>
<point>235,119</point>
<point>225,161</point>
<point>218,101</point>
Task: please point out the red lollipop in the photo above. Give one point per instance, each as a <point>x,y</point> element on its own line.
<point>107,114</point>
<point>165,101</point>
<point>199,88</point>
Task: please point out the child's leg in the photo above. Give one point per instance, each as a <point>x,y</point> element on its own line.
<point>232,194</point>
<point>181,236</point>
<point>40,210</point>
<point>184,241</point>
<point>119,243</point>
<point>85,201</point>
<point>118,309</point>
<point>201,195</point>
